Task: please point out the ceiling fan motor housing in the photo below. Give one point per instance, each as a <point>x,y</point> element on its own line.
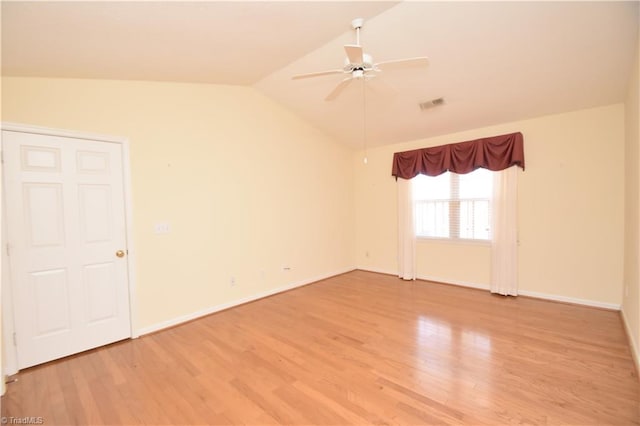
<point>358,65</point>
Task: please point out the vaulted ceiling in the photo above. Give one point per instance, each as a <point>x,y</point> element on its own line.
<point>492,62</point>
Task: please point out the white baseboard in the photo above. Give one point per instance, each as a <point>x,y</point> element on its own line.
<point>378,271</point>
<point>213,309</point>
<point>455,282</point>
<point>429,278</point>
<point>575,301</point>
<point>545,296</point>
<point>632,341</point>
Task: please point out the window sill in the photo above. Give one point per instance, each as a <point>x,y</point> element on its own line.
<point>457,241</point>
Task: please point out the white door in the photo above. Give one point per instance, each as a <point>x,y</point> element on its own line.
<point>67,244</point>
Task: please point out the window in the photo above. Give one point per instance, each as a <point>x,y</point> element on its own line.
<point>453,206</point>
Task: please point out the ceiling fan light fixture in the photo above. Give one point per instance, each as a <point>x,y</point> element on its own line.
<point>359,65</point>
<point>367,63</point>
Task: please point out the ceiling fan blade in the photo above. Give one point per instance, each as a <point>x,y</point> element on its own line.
<point>354,53</point>
<point>338,89</point>
<point>419,61</point>
<point>317,74</point>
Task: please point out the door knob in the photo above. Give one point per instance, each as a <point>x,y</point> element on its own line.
<point>120,253</point>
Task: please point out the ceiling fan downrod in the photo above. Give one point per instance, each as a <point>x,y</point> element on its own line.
<point>356,24</point>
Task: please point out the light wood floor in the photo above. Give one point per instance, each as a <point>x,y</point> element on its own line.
<point>360,348</point>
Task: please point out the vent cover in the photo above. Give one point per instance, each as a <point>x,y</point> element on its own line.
<point>432,103</point>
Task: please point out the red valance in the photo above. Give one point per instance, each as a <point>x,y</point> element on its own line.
<point>494,153</point>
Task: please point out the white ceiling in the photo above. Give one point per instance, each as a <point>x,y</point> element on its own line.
<point>207,42</point>
<point>493,62</point>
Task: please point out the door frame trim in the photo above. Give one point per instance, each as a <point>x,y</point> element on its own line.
<point>10,363</point>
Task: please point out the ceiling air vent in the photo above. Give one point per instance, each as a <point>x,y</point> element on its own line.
<point>432,103</point>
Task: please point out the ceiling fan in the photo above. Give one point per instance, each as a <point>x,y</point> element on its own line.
<point>359,65</point>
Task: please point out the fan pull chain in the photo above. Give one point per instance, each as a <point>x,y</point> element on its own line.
<point>364,120</point>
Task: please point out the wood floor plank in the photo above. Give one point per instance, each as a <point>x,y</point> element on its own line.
<point>359,348</point>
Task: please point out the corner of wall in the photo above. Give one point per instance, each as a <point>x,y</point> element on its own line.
<point>630,310</point>
<point>633,343</point>
<point>2,283</point>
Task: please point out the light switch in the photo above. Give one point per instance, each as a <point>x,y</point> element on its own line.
<point>162,228</point>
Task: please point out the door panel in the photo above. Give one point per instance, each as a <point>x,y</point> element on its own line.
<point>66,221</point>
<point>44,214</point>
<point>95,213</point>
<point>93,162</point>
<point>39,158</point>
<point>99,282</point>
<point>50,317</point>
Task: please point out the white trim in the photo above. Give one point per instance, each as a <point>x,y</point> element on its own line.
<point>431,279</point>
<point>632,341</point>
<point>545,296</point>
<point>75,134</point>
<point>378,271</point>
<point>458,241</point>
<point>128,200</point>
<point>573,300</point>
<point>217,308</point>
<point>10,352</point>
<point>131,253</point>
<point>455,282</point>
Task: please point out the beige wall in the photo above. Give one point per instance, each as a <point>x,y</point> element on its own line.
<point>631,300</point>
<point>293,201</point>
<point>571,209</point>
<point>246,186</point>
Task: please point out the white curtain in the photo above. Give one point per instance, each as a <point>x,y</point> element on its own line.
<point>406,234</point>
<point>504,242</point>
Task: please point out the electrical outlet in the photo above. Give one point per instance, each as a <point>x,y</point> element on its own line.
<point>162,228</point>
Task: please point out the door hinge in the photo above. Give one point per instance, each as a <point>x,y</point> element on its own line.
<point>8,250</point>
<point>15,340</point>
<point>2,157</point>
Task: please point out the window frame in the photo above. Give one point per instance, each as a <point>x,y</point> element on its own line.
<point>454,203</point>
